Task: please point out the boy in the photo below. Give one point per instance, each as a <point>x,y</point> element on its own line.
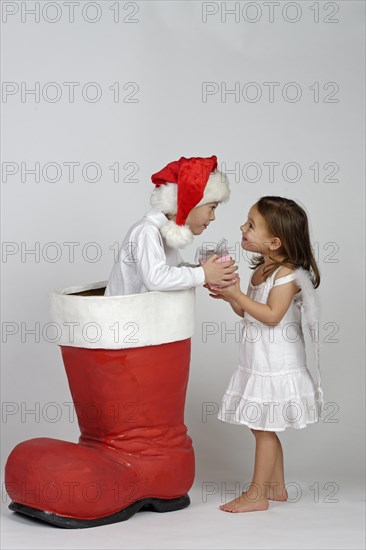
<point>184,200</point>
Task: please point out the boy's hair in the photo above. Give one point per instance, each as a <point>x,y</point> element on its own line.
<point>286,220</point>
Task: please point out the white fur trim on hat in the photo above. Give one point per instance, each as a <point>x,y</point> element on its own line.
<point>164,197</point>
<point>217,189</point>
<point>177,236</point>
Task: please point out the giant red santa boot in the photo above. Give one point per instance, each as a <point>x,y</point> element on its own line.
<point>127,362</point>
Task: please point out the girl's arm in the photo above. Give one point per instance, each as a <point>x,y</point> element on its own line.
<point>279,301</point>
<point>237,309</point>
<point>235,306</point>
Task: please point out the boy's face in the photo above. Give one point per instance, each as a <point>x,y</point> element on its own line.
<point>200,217</point>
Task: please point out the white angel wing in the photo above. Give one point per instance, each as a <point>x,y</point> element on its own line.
<point>309,299</point>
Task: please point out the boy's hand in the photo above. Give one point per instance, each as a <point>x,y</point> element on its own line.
<point>219,273</point>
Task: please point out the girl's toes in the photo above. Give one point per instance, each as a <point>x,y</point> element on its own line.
<point>225,508</point>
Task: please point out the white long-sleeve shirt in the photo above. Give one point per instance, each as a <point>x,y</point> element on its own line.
<point>147,263</point>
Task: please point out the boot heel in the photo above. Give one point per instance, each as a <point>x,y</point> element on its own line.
<point>168,505</point>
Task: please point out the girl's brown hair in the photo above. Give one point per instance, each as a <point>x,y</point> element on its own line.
<point>286,220</point>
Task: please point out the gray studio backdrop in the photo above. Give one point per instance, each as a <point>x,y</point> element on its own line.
<point>99,97</point>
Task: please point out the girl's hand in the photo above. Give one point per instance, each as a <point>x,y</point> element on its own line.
<point>228,294</point>
<point>218,296</point>
<point>215,294</point>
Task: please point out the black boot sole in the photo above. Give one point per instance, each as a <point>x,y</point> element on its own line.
<point>148,504</point>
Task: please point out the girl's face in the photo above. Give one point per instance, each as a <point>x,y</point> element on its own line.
<point>200,217</point>
<point>255,236</point>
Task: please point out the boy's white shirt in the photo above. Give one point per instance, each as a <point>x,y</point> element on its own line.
<point>146,263</point>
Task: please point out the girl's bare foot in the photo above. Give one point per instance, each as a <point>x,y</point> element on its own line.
<point>245,504</point>
<point>278,494</point>
<point>275,493</point>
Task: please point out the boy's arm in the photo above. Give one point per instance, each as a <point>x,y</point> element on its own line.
<point>181,262</point>
<point>187,264</point>
<point>153,270</point>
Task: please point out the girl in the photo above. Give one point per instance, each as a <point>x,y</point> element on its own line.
<point>272,388</point>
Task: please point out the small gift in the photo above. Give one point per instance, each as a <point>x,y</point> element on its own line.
<point>204,252</point>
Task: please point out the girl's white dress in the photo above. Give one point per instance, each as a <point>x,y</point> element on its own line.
<point>272,388</point>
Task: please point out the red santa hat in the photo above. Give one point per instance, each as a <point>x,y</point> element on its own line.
<point>185,184</point>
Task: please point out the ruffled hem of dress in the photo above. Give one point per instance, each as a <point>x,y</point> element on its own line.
<point>274,415</point>
<point>281,386</point>
<point>266,429</point>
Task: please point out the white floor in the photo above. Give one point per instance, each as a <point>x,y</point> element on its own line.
<point>305,523</point>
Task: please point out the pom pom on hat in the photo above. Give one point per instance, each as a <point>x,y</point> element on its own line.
<point>183,185</point>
